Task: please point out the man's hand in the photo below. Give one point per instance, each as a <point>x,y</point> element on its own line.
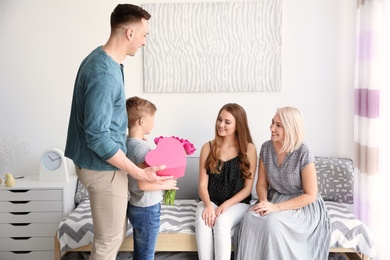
<point>150,174</point>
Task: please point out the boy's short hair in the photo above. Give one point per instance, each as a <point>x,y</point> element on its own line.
<point>137,108</point>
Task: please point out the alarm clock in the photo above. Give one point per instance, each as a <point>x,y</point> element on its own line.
<point>53,165</point>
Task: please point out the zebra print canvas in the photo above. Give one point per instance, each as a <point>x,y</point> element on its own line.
<point>214,47</point>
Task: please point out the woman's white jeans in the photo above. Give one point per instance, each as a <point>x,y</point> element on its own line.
<point>215,243</point>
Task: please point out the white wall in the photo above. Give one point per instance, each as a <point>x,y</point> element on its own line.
<point>43,42</point>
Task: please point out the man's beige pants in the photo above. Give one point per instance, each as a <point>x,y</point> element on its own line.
<point>108,198</point>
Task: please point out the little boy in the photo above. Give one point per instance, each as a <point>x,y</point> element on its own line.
<point>143,208</point>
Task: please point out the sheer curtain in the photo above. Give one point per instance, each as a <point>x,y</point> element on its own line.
<point>371,117</point>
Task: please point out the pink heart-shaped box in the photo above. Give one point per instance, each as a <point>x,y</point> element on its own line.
<point>170,152</point>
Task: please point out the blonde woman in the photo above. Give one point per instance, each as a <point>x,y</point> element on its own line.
<point>290,220</point>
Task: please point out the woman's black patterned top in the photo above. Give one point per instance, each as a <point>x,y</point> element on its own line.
<point>226,184</point>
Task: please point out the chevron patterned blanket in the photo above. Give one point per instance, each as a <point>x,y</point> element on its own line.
<point>335,183</point>
<point>347,231</point>
<point>76,229</point>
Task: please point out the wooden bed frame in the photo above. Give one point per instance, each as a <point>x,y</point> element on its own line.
<point>171,242</point>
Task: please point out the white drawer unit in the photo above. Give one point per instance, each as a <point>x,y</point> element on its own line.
<point>30,213</point>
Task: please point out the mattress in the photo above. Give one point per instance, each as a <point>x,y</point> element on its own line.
<point>76,230</point>
<point>348,231</point>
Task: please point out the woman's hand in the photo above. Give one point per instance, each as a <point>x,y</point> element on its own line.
<point>264,207</point>
<point>209,216</point>
<point>222,208</point>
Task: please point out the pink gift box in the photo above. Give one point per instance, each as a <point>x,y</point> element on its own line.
<point>169,152</point>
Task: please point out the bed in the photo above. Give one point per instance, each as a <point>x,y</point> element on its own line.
<point>177,232</point>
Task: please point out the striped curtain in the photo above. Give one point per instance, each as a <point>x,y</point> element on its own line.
<point>372,182</point>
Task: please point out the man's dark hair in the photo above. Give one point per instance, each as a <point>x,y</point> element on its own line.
<point>127,13</point>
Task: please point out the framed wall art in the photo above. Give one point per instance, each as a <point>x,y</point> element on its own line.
<point>213,47</point>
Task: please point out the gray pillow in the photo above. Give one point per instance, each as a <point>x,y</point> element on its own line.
<point>335,178</point>
<point>188,184</point>
<point>81,193</point>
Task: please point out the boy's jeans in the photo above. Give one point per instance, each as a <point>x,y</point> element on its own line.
<point>146,225</point>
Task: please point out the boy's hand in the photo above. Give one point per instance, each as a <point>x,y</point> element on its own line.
<point>169,184</point>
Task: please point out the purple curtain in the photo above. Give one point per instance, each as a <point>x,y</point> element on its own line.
<point>371,80</point>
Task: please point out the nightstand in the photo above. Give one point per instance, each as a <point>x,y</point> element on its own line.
<point>30,213</point>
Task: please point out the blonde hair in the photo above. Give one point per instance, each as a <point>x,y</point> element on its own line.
<point>293,125</point>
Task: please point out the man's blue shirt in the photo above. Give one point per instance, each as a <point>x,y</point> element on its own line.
<point>98,119</point>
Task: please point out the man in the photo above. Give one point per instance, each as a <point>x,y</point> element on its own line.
<point>96,140</point>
